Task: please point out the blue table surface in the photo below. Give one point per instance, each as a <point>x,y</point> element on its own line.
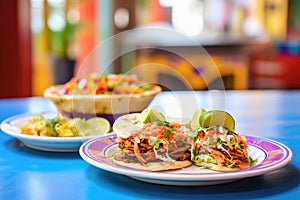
<point>31,174</point>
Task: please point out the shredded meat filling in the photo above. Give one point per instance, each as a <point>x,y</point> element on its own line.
<point>177,146</point>
<point>228,155</point>
<point>177,150</point>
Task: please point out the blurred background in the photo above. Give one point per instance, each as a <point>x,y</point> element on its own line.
<point>254,44</point>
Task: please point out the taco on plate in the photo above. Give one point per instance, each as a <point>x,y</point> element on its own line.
<point>220,149</point>
<point>153,146</point>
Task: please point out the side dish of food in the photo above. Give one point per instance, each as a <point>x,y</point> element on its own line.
<point>149,141</point>
<point>61,126</point>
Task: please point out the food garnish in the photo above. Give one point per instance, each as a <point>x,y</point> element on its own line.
<point>216,118</point>
<point>195,124</point>
<point>151,115</point>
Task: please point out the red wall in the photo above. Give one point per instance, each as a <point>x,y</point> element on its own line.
<point>15,48</point>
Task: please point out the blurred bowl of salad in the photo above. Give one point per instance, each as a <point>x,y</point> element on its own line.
<point>108,96</point>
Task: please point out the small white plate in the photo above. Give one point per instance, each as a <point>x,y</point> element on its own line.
<point>271,155</point>
<point>11,125</point>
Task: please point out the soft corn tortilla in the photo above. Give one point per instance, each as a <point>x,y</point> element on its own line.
<point>129,123</point>
<point>156,166</point>
<point>215,167</point>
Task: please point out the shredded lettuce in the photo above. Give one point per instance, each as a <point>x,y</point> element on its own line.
<point>205,158</point>
<point>252,161</point>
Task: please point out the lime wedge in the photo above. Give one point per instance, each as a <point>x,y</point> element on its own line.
<point>150,115</point>
<point>217,118</point>
<point>156,116</point>
<point>99,124</point>
<point>195,124</point>
<point>79,126</point>
<point>145,115</point>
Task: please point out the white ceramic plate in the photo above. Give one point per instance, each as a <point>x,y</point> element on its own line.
<point>11,125</point>
<point>271,155</point>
